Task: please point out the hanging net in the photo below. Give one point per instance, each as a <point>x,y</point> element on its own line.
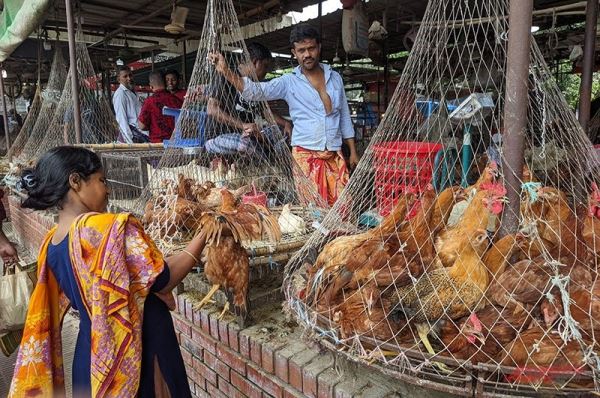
<point>51,96</point>
<point>410,271</point>
<point>237,187</point>
<point>98,123</point>
<point>25,132</point>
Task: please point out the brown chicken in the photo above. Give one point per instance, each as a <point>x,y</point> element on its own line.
<point>451,292</point>
<point>489,175</point>
<point>525,284</point>
<point>541,356</point>
<point>391,258</point>
<point>365,311</point>
<point>482,335</point>
<point>167,216</point>
<point>487,203</point>
<point>227,265</point>
<point>335,254</point>
<point>499,254</point>
<point>591,222</point>
<point>225,230</point>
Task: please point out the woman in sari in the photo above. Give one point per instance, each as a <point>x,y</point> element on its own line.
<point>106,267</point>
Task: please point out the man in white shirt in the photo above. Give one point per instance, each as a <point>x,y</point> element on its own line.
<point>127,107</point>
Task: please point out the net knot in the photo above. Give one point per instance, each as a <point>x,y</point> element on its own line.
<point>568,328</point>
<point>532,190</point>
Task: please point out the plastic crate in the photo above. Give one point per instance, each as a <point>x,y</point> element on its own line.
<point>428,107</point>
<point>196,117</point>
<point>402,166</point>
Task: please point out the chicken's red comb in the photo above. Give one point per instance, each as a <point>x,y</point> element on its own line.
<point>474,319</point>
<point>493,165</point>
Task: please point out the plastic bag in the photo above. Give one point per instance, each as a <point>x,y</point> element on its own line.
<point>16,286</point>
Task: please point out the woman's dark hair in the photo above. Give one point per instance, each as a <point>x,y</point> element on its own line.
<point>303,32</point>
<point>47,184</point>
<point>258,52</point>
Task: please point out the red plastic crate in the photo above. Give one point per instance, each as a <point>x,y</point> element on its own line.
<point>399,166</point>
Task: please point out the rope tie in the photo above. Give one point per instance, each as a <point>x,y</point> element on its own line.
<point>568,328</point>
<point>532,190</point>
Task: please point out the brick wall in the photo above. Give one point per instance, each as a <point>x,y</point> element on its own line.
<point>29,226</point>
<point>262,361</point>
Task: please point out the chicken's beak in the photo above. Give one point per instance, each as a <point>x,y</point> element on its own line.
<point>479,336</point>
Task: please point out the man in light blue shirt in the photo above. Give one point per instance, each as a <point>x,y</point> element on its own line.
<point>127,107</point>
<point>318,108</point>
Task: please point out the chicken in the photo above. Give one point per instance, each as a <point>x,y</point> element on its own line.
<point>289,223</point>
<point>451,292</point>
<point>482,335</point>
<point>541,356</point>
<point>245,222</point>
<point>365,312</point>
<point>488,176</point>
<point>225,230</point>
<point>392,257</point>
<point>169,215</point>
<point>227,265</point>
<point>499,254</point>
<point>486,205</point>
<point>524,285</point>
<point>591,223</point>
<point>335,254</point>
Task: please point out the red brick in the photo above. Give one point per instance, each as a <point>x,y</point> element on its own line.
<point>201,393</point>
<point>228,389</point>
<point>205,320</point>
<point>234,341</point>
<point>245,387</point>
<point>214,326</point>
<point>292,394</point>
<point>196,378</point>
<point>214,391</point>
<point>210,360</point>
<point>256,351</point>
<point>196,318</point>
<point>261,379</point>
<point>192,346</point>
<point>205,341</point>
<point>327,381</point>
<point>224,332</point>
<point>204,371</point>
<point>310,374</point>
<point>232,359</point>
<point>192,386</point>
<point>188,310</point>
<point>182,326</point>
<point>268,356</point>
<point>186,355</point>
<point>244,345</point>
<point>295,365</point>
<point>181,305</point>
<point>282,356</point>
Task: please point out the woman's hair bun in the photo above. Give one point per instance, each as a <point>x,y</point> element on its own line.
<point>29,180</point>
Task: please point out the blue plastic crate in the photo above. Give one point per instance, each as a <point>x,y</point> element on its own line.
<point>200,119</point>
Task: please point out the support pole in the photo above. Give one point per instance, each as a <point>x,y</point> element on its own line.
<point>5,118</point>
<point>73,70</point>
<point>320,16</point>
<point>184,64</point>
<point>515,109</point>
<point>589,49</point>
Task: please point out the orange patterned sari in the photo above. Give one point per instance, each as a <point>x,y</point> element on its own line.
<point>115,264</point>
<point>326,169</point>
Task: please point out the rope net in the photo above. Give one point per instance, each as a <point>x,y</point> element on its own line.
<point>209,150</point>
<point>98,123</point>
<point>409,271</point>
<point>25,132</point>
<point>51,96</point>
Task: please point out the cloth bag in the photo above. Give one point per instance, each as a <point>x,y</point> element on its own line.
<point>16,286</point>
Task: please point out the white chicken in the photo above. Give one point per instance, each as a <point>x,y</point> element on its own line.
<point>289,223</point>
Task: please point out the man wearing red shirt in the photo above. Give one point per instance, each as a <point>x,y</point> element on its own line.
<point>172,81</point>
<point>151,117</point>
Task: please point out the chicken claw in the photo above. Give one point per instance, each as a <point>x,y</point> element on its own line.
<point>225,309</point>
<point>208,296</point>
<point>423,330</point>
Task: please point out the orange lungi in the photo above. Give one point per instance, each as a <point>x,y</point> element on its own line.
<point>326,169</point>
